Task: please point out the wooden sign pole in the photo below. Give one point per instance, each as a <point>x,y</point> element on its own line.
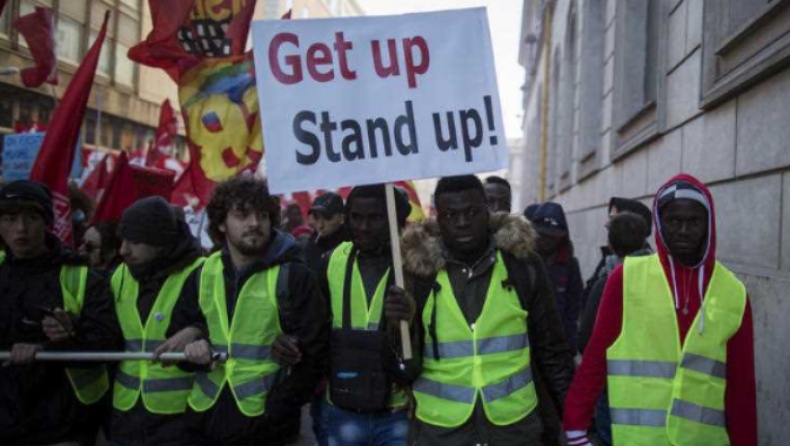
<point>397,264</point>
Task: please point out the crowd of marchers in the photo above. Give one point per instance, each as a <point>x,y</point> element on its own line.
<point>281,314</point>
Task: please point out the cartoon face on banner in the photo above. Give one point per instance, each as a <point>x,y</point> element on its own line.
<point>220,106</point>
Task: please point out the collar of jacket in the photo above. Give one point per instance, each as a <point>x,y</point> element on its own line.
<point>422,246</point>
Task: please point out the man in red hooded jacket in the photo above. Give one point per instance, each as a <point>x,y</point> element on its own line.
<point>676,374</point>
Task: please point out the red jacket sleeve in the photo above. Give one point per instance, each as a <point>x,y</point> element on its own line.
<point>590,379</point>
<point>740,402</point>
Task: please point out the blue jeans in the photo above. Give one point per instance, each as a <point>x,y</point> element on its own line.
<point>347,428</point>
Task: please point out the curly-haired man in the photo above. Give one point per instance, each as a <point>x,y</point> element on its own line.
<point>252,292</point>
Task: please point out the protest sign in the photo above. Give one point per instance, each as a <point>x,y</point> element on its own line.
<point>19,153</point>
<point>377,99</point>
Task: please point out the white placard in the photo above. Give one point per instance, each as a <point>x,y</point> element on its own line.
<point>376,99</point>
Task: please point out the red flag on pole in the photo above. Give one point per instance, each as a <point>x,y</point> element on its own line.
<point>128,184</point>
<point>54,161</point>
<point>119,194</point>
<point>192,188</point>
<point>99,178</point>
<point>38,29</point>
<point>165,133</point>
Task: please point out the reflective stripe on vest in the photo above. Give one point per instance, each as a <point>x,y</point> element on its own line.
<point>250,370</point>
<point>362,316</point>
<point>492,359</point>
<point>662,392</point>
<point>163,390</point>
<point>91,383</point>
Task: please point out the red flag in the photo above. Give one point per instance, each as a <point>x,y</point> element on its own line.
<point>99,177</point>
<point>53,164</point>
<point>128,184</point>
<point>150,181</point>
<point>120,193</point>
<point>192,189</point>
<point>165,133</point>
<point>38,29</point>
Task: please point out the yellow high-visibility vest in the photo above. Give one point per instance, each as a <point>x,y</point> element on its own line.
<point>662,392</point>
<point>489,359</point>
<point>89,384</point>
<point>250,370</point>
<point>163,390</point>
<point>362,317</point>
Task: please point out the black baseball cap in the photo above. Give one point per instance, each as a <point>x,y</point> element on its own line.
<point>328,205</point>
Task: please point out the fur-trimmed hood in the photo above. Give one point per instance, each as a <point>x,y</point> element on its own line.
<point>422,249</point>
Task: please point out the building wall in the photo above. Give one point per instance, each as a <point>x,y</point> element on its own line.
<point>128,95</point>
<point>715,108</point>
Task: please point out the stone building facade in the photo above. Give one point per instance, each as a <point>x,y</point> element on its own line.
<point>620,95</point>
<point>129,95</point>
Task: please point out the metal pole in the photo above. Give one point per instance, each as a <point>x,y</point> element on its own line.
<point>111,356</point>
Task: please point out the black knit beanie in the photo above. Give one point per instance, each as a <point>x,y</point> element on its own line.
<point>28,192</point>
<point>150,220</point>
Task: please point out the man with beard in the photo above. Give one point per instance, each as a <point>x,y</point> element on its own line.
<point>252,292</point>
<point>48,301</point>
<point>673,342</point>
<point>486,319</point>
<point>159,253</point>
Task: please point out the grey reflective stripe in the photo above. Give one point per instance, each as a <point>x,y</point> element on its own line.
<point>151,345</point>
<point>128,381</point>
<point>501,344</point>
<point>255,387</point>
<point>133,345</point>
<point>373,326</point>
<point>167,384</point>
<point>704,365</point>
<point>84,377</point>
<point>246,351</point>
<point>206,385</point>
<point>455,349</point>
<point>445,391</point>
<point>651,369</point>
<point>219,348</point>
<point>700,414</point>
<point>507,387</point>
<point>639,417</point>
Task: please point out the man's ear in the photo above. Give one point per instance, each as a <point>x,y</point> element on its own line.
<point>223,228</point>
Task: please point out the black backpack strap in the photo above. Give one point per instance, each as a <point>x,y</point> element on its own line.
<point>523,283</point>
<point>282,292</point>
<point>352,258</point>
<point>435,288</point>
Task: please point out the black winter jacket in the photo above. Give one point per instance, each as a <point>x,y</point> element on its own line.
<point>137,426</point>
<point>552,363</point>
<point>37,403</point>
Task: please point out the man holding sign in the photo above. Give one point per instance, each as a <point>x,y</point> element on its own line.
<point>486,318</point>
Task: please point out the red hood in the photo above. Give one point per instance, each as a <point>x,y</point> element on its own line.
<point>709,259</point>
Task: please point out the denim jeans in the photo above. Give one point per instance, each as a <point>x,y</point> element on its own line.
<point>347,428</point>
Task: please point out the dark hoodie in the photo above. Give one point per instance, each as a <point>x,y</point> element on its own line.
<point>688,288</point>
<point>303,314</point>
<point>37,403</point>
<point>566,278</point>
